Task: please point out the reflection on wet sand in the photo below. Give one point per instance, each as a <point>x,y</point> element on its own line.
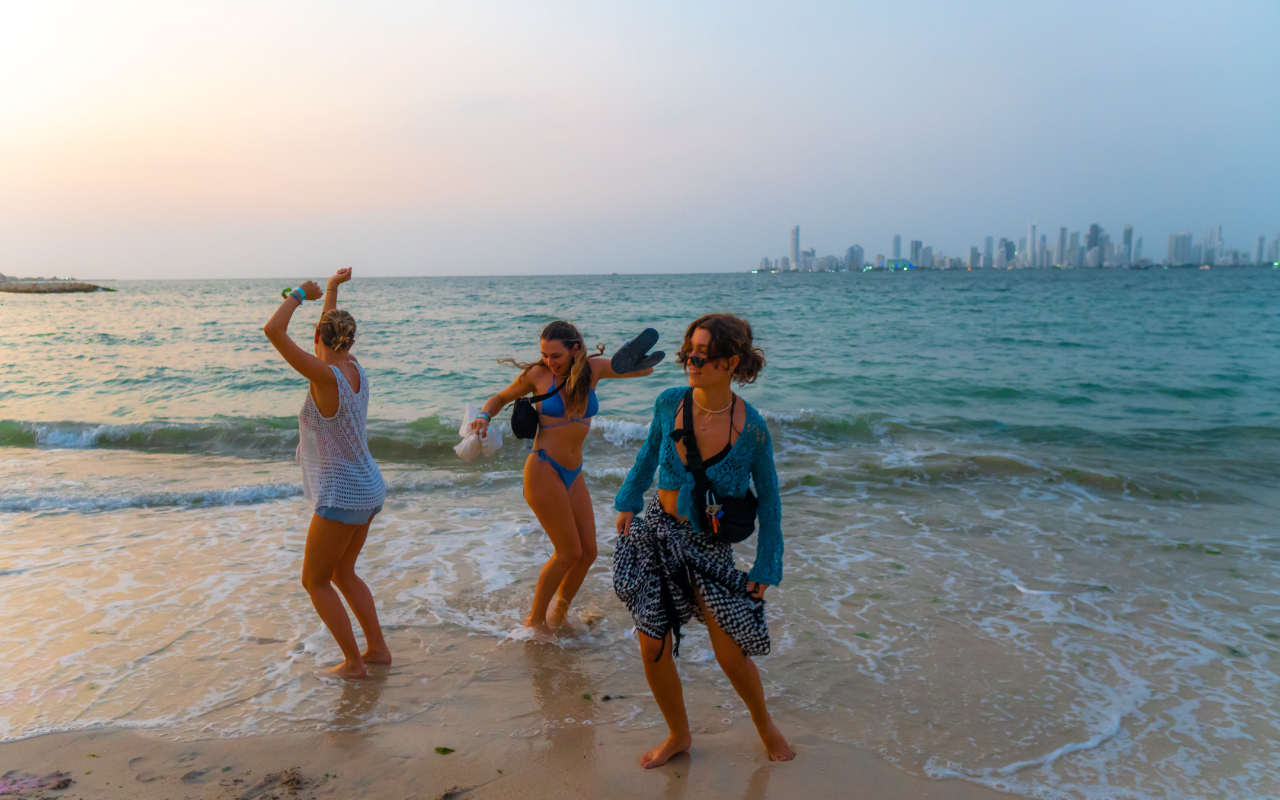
<point>354,707</point>
<point>563,692</point>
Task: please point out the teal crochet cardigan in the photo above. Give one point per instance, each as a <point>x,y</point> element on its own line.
<point>749,461</point>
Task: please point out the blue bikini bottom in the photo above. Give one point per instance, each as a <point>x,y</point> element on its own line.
<point>568,476</point>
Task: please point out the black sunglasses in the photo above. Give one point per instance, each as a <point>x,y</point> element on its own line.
<point>697,361</point>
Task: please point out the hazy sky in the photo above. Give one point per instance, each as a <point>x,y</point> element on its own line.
<point>194,139</point>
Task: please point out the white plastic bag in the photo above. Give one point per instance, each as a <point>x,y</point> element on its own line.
<point>472,444</point>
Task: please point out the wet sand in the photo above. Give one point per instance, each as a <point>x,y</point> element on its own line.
<point>399,761</point>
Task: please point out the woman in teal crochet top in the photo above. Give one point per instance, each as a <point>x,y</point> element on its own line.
<point>669,567</point>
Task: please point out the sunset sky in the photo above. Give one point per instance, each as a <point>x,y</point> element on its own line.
<point>234,139</point>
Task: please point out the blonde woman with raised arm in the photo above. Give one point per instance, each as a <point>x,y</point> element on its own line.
<point>339,476</point>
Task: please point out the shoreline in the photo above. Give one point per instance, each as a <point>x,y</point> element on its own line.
<point>51,287</point>
<point>400,761</point>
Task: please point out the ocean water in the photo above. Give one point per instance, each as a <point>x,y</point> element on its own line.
<point>1030,517</point>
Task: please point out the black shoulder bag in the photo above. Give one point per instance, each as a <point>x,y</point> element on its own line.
<point>524,417</point>
<point>729,520</point>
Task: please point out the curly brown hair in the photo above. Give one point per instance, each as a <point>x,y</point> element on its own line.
<point>730,336</point>
<point>337,329</point>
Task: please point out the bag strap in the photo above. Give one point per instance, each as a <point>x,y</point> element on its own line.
<point>539,398</point>
<point>690,439</point>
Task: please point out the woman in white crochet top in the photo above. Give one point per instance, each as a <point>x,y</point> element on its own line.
<point>339,475</point>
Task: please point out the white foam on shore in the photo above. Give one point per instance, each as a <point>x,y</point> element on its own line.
<point>620,432</point>
<point>235,495</point>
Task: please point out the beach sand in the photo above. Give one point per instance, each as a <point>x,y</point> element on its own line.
<point>399,761</point>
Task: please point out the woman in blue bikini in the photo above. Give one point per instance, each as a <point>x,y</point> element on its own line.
<point>553,484</point>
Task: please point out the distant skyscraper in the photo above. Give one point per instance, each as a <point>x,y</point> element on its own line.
<point>916,247</point>
<point>1180,250</point>
<point>897,245</point>
<point>1042,253</point>
<point>1095,233</point>
<point>974,258</point>
<point>988,252</point>
<point>795,247</point>
<point>1212,245</point>
<point>1126,255</point>
<point>853,258</point>
<point>1137,251</point>
<point>1009,253</point>
<point>1001,254</point>
<point>1031,247</point>
<point>1060,257</point>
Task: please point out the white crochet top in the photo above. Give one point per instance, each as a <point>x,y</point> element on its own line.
<point>337,469</point>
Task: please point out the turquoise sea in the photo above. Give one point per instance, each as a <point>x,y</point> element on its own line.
<point>1030,515</point>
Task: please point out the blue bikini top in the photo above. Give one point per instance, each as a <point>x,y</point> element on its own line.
<point>554,407</point>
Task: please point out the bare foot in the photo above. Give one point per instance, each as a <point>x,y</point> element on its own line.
<point>556,614</point>
<point>371,656</point>
<point>673,746</point>
<point>345,670</point>
<point>776,744</point>
<point>541,631</point>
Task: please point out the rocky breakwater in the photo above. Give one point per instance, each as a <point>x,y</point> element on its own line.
<point>50,287</point>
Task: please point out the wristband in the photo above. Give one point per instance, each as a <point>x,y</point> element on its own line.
<point>299,295</point>
<point>486,416</point>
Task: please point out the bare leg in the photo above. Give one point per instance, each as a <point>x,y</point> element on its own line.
<point>326,543</point>
<point>584,518</point>
<point>664,680</point>
<point>546,495</point>
<point>744,676</point>
<point>361,600</point>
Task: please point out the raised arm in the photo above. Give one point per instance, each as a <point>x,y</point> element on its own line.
<point>521,386</point>
<point>331,297</point>
<point>277,331</point>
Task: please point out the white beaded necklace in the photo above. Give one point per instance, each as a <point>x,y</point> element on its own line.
<point>713,411</point>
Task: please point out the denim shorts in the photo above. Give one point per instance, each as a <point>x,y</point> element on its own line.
<point>348,516</point>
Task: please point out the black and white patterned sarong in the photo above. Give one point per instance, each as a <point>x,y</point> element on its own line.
<point>656,567</point>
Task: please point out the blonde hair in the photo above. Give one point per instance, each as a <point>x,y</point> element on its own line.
<point>337,329</point>
<point>578,384</point>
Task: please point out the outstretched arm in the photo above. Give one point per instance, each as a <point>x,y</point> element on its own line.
<point>277,331</point>
<point>331,297</point>
<point>605,370</point>
<point>518,388</point>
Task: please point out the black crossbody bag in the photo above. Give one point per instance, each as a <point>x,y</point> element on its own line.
<point>524,417</point>
<point>727,520</point>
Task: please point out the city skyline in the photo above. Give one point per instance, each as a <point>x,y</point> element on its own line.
<point>1096,249</point>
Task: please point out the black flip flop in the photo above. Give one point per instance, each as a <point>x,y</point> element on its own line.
<point>650,360</point>
<point>631,355</point>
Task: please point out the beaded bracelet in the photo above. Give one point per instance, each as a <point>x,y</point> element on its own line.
<point>296,294</point>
